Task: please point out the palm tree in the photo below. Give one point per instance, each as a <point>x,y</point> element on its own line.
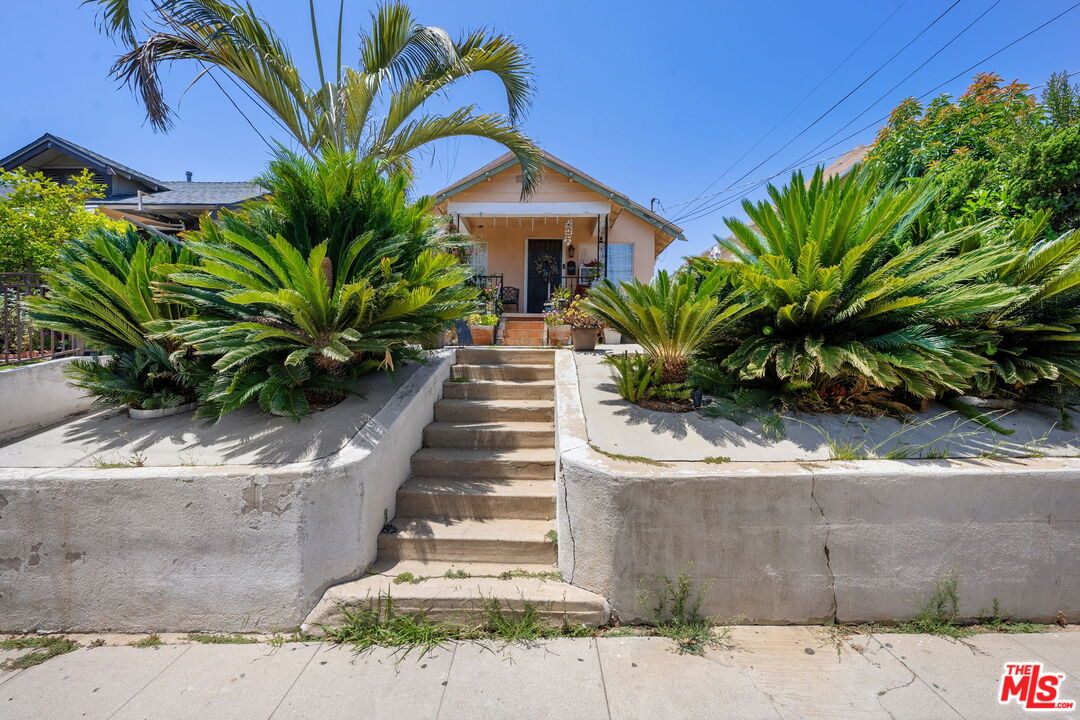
<point>375,110</point>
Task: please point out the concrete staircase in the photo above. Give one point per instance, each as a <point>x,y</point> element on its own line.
<point>474,518</point>
<point>523,330</point>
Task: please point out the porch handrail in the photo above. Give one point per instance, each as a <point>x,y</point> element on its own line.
<point>20,341</point>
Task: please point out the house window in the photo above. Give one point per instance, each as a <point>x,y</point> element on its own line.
<point>620,262</point>
<point>478,258</point>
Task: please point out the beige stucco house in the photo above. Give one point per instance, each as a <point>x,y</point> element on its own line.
<point>571,230</point>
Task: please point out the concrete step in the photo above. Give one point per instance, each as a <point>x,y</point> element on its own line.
<point>476,435</point>
<point>449,497</point>
<point>499,390</point>
<point>506,541</point>
<point>504,372</point>
<point>459,600</point>
<point>516,341</point>
<point>506,464</point>
<point>509,356</point>
<point>494,410</point>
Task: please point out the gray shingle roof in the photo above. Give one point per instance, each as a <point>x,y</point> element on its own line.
<point>182,192</point>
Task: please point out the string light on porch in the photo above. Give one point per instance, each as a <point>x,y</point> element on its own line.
<point>568,237</point>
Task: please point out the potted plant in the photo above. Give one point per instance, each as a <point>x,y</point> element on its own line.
<point>584,326</point>
<point>482,328</point>
<point>558,332</point>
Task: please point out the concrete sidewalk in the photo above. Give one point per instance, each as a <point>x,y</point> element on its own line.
<point>761,672</point>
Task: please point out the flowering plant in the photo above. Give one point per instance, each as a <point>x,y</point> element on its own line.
<point>576,316</point>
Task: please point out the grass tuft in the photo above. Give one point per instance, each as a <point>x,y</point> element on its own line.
<point>43,647</point>
<point>147,642</point>
<point>716,459</point>
<point>214,639</point>
<point>675,608</point>
<point>629,458</point>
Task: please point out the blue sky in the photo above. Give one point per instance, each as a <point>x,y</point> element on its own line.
<point>655,99</point>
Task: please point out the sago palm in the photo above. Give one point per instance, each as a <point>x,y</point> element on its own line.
<point>845,302</point>
<point>101,290</point>
<point>1037,345</point>
<point>283,321</point>
<point>375,109</point>
<point>671,318</point>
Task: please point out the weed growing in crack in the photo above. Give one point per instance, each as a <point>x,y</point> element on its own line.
<point>42,648</point>
<point>629,458</point>
<point>212,639</point>
<point>552,536</point>
<point>938,615</point>
<point>675,610</point>
<point>381,625</point>
<point>147,642</point>
<point>997,620</point>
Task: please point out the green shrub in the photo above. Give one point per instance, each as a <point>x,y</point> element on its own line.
<point>101,290</point>
<point>843,304</point>
<point>38,216</point>
<point>1036,339</point>
<point>635,374</point>
<point>332,276</point>
<point>672,317</point>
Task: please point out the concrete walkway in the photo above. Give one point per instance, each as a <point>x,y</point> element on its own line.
<point>775,672</point>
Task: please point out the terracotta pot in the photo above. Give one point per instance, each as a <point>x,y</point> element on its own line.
<point>558,334</point>
<point>482,334</point>
<point>584,338</point>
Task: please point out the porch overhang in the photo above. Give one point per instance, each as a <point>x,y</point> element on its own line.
<point>528,209</point>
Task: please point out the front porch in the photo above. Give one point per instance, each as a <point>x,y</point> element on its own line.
<point>526,257</point>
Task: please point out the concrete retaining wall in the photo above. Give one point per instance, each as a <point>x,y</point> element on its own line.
<point>226,548</point>
<point>811,542</point>
<point>36,395</point>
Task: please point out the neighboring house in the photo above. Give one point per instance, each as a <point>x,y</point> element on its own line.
<point>840,166</point>
<point>570,231</point>
<point>168,205</point>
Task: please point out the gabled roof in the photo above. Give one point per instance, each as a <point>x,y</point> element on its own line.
<point>508,160</point>
<point>91,158</point>
<point>192,193</point>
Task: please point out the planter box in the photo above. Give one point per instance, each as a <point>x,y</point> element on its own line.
<point>558,334</point>
<point>612,337</point>
<point>482,334</point>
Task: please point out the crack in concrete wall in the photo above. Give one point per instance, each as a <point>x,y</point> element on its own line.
<point>825,545</point>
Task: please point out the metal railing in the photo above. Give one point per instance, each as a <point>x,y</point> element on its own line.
<point>20,341</point>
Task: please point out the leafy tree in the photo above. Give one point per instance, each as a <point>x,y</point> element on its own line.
<point>1061,100</point>
<point>37,216</point>
<point>987,121</point>
<point>1046,176</point>
<point>376,109</point>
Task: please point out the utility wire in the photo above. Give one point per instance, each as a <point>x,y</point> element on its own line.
<point>941,85</point>
<point>242,113</point>
<point>791,112</point>
<point>709,209</point>
<point>836,104</point>
<point>885,94</point>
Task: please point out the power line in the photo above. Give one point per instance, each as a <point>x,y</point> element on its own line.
<point>946,82</point>
<point>885,94</point>
<point>836,104</point>
<point>791,112</point>
<point>709,209</point>
<point>242,113</point>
